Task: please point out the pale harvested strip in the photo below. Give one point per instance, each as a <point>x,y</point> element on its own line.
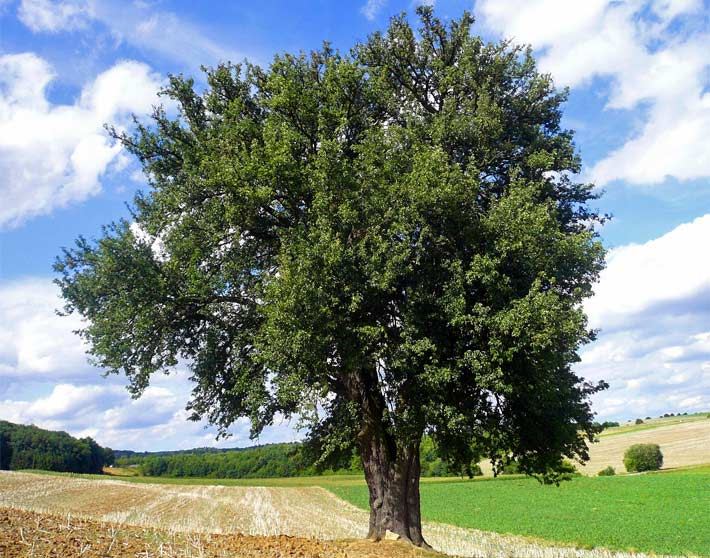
<point>302,512</point>
<point>306,512</point>
<point>683,445</point>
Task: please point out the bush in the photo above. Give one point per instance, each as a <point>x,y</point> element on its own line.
<point>643,457</point>
<point>607,472</point>
<point>639,421</point>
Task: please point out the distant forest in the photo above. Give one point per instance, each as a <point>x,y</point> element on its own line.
<point>272,460</point>
<point>30,447</point>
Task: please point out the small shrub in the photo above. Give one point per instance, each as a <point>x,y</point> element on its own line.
<point>643,457</point>
<point>607,472</point>
<point>639,421</point>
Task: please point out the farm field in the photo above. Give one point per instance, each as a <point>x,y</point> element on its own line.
<point>30,534</point>
<point>684,441</point>
<point>663,513</point>
<point>624,513</point>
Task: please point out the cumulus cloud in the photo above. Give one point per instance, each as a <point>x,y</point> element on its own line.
<point>46,380</point>
<point>664,273</point>
<point>36,343</point>
<point>155,421</point>
<point>653,307</point>
<point>52,155</point>
<point>636,45</point>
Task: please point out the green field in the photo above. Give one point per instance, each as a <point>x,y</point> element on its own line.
<point>664,513</point>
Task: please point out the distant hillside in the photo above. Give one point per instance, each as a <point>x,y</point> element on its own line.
<point>267,461</point>
<point>129,455</point>
<point>684,441</point>
<point>30,447</point>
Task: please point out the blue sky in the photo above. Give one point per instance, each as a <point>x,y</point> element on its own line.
<point>639,79</point>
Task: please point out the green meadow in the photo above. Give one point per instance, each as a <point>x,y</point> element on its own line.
<point>661,513</point>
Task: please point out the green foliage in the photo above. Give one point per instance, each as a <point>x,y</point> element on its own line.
<point>607,472</point>
<point>638,421</point>
<point>511,468</point>
<point>270,461</point>
<point>640,512</point>
<point>5,449</point>
<point>279,460</point>
<point>433,465</point>
<point>389,241</point>
<point>643,457</point>
<point>29,447</point>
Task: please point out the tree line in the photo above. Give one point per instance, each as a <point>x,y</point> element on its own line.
<point>268,461</point>
<point>30,447</point>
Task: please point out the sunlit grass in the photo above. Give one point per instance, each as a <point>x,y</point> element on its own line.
<point>664,513</point>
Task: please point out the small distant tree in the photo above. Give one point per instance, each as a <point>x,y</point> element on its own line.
<point>607,472</point>
<point>639,421</point>
<point>643,457</point>
<point>384,244</point>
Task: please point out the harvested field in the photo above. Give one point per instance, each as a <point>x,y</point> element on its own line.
<point>683,444</point>
<point>193,511</point>
<point>29,534</point>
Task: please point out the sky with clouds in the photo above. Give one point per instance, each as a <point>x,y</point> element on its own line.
<point>639,78</point>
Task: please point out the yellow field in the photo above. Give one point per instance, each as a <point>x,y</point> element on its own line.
<point>309,512</point>
<point>684,441</point>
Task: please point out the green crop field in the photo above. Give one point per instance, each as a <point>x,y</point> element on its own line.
<point>664,513</point>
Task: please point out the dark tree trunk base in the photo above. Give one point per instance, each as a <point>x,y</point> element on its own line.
<point>392,475</point>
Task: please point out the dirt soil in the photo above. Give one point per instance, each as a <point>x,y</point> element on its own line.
<point>25,534</point>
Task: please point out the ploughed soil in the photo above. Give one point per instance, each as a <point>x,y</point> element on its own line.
<point>25,534</point>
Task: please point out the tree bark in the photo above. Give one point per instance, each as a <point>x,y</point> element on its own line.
<point>392,472</point>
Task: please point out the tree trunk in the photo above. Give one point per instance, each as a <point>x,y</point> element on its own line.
<point>392,473</point>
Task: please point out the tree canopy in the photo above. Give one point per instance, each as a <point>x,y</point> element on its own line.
<point>381,243</point>
<point>30,447</point>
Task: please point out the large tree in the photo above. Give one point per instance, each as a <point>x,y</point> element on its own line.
<point>382,244</point>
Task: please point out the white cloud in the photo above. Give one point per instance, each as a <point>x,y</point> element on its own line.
<point>52,155</point>
<point>636,44</point>
<point>162,32</point>
<point>372,8</point>
<point>137,23</point>
<point>36,343</point>
<point>46,380</point>
<point>155,421</point>
<point>653,307</point>
<point>663,271</point>
<point>53,16</point>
